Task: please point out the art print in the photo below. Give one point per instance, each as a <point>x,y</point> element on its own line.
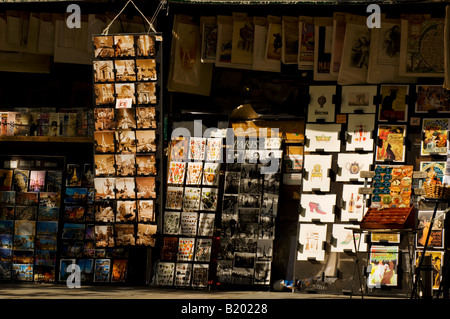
<point>322,137</point>
<point>145,117</point>
<point>353,204</point>
<point>125,188</point>
<point>358,98</point>
<point>124,46</point>
<point>211,174</point>
<point>214,149</point>
<point>345,239</point>
<point>183,274</point>
<point>394,104</point>
<point>306,43</point>
<point>434,139</point>
<point>191,199</point>
<point>350,166</point>
<point>197,148</point>
<point>418,36</point>
<point>105,188</point>
<point>146,235</point>
<point>104,165</point>
<point>323,38</point>
<point>194,173</point>
<point>392,186</point>
<point>146,165</point>
<point>125,119</point>
<point>103,71</point>
<point>186,249</point>
<point>103,46</point>
<point>321,105</point>
<point>125,70</point>
<point>437,261</point>
<point>125,164</point>
<point>165,273</point>
<point>146,212</point>
<point>176,173</point>
<point>104,94</point>
<point>104,119</point>
<point>274,40</point>
<point>209,39</point>
<point>102,270</point>
<point>242,40</point>
<point>172,223</point>
<point>339,24</point>
<point>383,263</point>
<point>119,270</point>
<point>360,131</point>
<point>124,235</point>
<point>316,172</point>
<point>391,143</point>
<point>200,277</point>
<point>317,207</point>
<point>432,98</point>
<point>104,212</point>
<point>145,141</point>
<point>104,142</point>
<point>435,231</point>
<point>145,187</point>
<point>146,70</point>
<point>289,36</point>
<point>125,141</point>
<point>435,172</point>
<point>104,236</point>
<point>126,211</point>
<point>311,239</point>
<point>206,224</point>
<point>209,199</point>
<point>37,181</point>
<point>174,197</point>
<point>20,180</point>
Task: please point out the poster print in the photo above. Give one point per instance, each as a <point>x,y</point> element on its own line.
<point>316,172</point>
<point>350,165</point>
<point>344,239</point>
<point>321,105</point>
<point>383,263</point>
<point>197,148</point>
<point>165,273</point>
<point>432,98</point>
<point>289,36</point>
<point>435,172</point>
<point>273,40</point>
<point>422,46</point>
<point>209,199</point>
<point>305,43</point>
<point>434,140</point>
<point>194,173</point>
<point>191,199</point>
<point>186,249</point>
<point>353,203</point>
<point>437,261</point>
<point>183,274</point>
<point>102,270</point>
<point>20,180</point>
<point>322,137</point>
<point>176,173</point>
<point>146,235</point>
<point>358,98</point>
<point>317,207</point>
<point>172,223</point>
<point>174,197</point>
<point>242,39</point>
<point>311,239</point>
<point>37,181</point>
<point>104,142</point>
<point>360,129</point>
<point>323,38</point>
<point>391,145</point>
<point>435,231</point>
<point>209,39</point>
<point>394,104</point>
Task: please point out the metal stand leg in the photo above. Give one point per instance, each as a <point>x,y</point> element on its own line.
<point>357,265</point>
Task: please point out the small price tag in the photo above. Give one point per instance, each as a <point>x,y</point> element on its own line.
<point>419,174</point>
<point>365,191</point>
<point>419,191</point>
<point>367,174</point>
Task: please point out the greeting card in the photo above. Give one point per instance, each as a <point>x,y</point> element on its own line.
<point>317,207</point>
<point>322,137</point>
<point>350,165</point>
<point>353,205</point>
<point>311,238</point>
<point>316,172</point>
<point>345,239</point>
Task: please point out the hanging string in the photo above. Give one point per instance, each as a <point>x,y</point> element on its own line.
<point>150,23</point>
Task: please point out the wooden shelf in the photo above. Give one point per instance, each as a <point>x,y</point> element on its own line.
<point>47,139</point>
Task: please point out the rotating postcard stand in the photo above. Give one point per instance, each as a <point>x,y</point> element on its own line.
<point>128,151</point>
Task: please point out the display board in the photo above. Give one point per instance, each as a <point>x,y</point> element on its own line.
<point>127,74</point>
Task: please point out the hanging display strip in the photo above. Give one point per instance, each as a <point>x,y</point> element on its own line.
<point>127,74</point>
<point>30,196</point>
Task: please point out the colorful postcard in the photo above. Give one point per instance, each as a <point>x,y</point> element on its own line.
<point>392,186</point>
<point>432,98</point>
<point>176,173</point>
<point>102,270</point>
<point>434,140</point>
<point>391,143</point>
<point>394,105</point>
<point>186,249</point>
<point>435,172</point>
<point>383,263</point>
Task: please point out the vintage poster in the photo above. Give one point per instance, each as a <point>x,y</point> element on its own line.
<point>432,98</point>
<point>289,36</point>
<point>435,231</point>
<point>437,261</point>
<point>339,24</point>
<point>383,263</point>
<point>317,207</point>
<point>392,186</point>
<point>391,143</point>
<point>273,41</point>
<point>321,103</point>
<point>323,38</point>
<point>422,46</point>
<point>259,48</point>
<point>305,43</point>
<point>394,105</point>
<point>435,172</point>
<point>322,137</point>
<point>434,140</point>
<point>311,239</point>
<point>358,98</point>
<point>242,39</point>
<point>360,130</point>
